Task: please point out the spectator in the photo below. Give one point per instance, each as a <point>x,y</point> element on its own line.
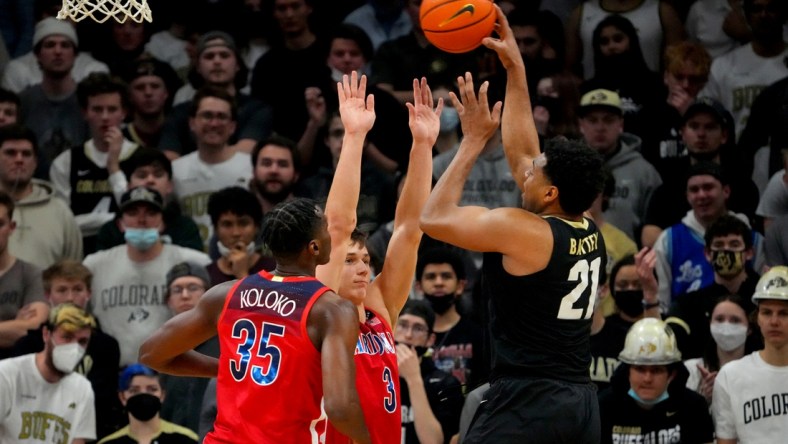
<point>648,397</point>
<point>764,138</point>
<point>215,164</point>
<point>152,85</point>
<point>376,201</point>
<point>43,389</point>
<point>619,67</point>
<point>120,45</point>
<point>218,66</point>
<point>141,392</point>
<point>682,266</point>
<point>90,175</point>
<point>16,26</point>
<point>69,281</point>
<point>457,344</point>
<point>236,220</point>
<point>50,106</point>
<point>186,283</point>
<point>431,398</point>
<point>555,105</point>
<point>747,402</point>
<point>633,287</point>
<point>774,201</point>
<point>706,132</point>
<point>729,327</point>
<point>381,20</point>
<point>776,242</point>
<point>738,76</point>
<point>654,34</point>
<point>46,230</point>
<point>277,168</point>
<point>706,24</point>
<point>729,252</point>
<point>169,45</point>
<point>25,71</point>
<point>22,306</point>
<point>602,126</point>
<point>149,167</point>
<point>9,107</point>
<point>686,72</point>
<point>304,55</point>
<point>130,279</point>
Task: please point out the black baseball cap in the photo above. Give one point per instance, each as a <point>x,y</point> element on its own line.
<point>144,195</point>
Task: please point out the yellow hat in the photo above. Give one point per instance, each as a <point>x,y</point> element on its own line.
<point>603,98</point>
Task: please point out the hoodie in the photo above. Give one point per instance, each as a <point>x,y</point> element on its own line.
<point>46,231</point>
<point>683,417</point>
<point>636,180</point>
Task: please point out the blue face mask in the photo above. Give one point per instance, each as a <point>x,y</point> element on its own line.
<point>659,399</point>
<point>141,238</point>
<point>449,119</point>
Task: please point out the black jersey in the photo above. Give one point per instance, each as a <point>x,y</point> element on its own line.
<point>541,322</point>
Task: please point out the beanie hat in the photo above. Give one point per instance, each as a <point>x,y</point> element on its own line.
<point>52,26</point>
<point>187,269</point>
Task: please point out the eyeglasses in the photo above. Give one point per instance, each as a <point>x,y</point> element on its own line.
<point>191,288</point>
<point>416,329</point>
<point>209,115</point>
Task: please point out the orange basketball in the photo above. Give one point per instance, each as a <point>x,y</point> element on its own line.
<point>457,25</point>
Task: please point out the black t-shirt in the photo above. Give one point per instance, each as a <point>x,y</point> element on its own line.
<point>458,351</point>
<point>605,348</point>
<point>541,322</point>
<point>444,393</point>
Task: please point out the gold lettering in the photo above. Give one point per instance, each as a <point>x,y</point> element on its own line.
<point>27,425</point>
<point>572,246</point>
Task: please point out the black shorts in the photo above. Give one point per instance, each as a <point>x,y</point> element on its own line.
<point>536,410</point>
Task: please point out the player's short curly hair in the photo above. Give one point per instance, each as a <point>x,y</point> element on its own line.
<point>290,226</point>
<point>576,170</point>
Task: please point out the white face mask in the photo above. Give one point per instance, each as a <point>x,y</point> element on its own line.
<point>224,251</point>
<point>65,357</point>
<point>729,336</point>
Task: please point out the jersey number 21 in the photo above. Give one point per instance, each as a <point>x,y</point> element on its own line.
<point>583,272</point>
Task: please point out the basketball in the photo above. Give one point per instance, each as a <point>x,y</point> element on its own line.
<point>457,25</point>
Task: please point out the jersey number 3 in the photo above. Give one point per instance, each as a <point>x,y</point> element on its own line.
<point>246,330</point>
<point>582,272</point>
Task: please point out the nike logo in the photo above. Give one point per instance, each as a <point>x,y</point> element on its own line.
<point>669,414</point>
<point>83,172</point>
<point>467,8</point>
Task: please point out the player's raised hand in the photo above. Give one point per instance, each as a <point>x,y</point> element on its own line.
<point>505,45</point>
<point>424,120</point>
<point>478,120</point>
<point>356,109</point>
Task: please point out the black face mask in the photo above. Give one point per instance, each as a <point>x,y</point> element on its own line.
<point>630,302</point>
<point>143,406</point>
<point>440,304</point>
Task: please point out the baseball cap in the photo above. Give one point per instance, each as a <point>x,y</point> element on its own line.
<point>601,98</point>
<point>52,26</point>
<point>70,317</point>
<point>152,67</point>
<point>708,168</point>
<point>710,106</point>
<point>209,40</point>
<point>141,195</point>
<point>187,269</point>
<point>124,381</point>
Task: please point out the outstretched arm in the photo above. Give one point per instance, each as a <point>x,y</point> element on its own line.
<point>520,137</point>
<point>392,286</point>
<point>171,348</point>
<point>358,115</point>
<point>337,319</point>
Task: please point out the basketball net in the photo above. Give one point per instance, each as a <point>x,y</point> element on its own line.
<point>103,10</point>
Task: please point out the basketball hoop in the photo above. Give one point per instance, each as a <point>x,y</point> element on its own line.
<point>102,10</point>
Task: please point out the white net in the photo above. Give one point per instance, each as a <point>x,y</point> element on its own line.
<point>103,10</point>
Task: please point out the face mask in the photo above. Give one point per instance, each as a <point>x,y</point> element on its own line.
<point>727,263</point>
<point>65,357</point>
<point>630,302</point>
<point>440,304</point>
<point>224,251</point>
<point>141,238</point>
<point>637,398</point>
<point>143,406</point>
<point>729,336</point>
<point>450,119</point>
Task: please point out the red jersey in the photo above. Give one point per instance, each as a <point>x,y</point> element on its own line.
<point>270,384</point>
<point>377,382</point>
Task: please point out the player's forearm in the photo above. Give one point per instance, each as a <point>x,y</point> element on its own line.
<point>349,420</point>
<point>346,185</point>
<point>428,429</point>
<point>191,363</point>
<point>438,210</point>
<point>519,135</point>
<point>416,188</point>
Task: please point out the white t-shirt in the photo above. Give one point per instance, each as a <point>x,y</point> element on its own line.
<point>194,181</point>
<point>738,77</point>
<point>128,297</point>
<point>704,24</point>
<point>750,401</point>
<point>33,410</point>
<point>774,201</point>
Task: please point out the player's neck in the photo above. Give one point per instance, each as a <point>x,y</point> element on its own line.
<point>447,321</point>
<point>292,270</point>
